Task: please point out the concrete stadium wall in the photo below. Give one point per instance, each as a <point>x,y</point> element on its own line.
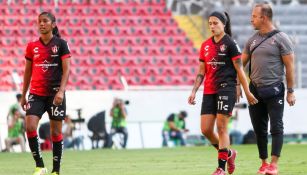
<point>147,111</point>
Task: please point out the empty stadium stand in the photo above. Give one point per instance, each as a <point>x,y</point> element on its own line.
<point>138,39</point>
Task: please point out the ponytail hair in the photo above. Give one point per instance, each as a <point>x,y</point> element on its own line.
<point>55,30</point>
<point>224,18</point>
<point>227,25</point>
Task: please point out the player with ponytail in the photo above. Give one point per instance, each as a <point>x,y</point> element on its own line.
<point>221,68</point>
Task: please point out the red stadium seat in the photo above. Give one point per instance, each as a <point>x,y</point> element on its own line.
<point>108,38</point>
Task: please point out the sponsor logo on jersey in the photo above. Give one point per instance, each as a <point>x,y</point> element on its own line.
<point>214,63</point>
<point>36,56</point>
<point>45,65</point>
<point>252,45</point>
<point>223,97</point>
<point>206,48</point>
<point>35,50</point>
<point>223,85</point>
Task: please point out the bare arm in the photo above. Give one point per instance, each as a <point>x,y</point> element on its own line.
<point>58,99</point>
<point>172,126</point>
<point>245,58</point>
<point>26,83</point>
<point>198,81</point>
<point>66,69</point>
<point>238,89</point>
<point>11,122</point>
<point>241,75</point>
<point>288,61</point>
<point>199,77</point>
<point>289,64</point>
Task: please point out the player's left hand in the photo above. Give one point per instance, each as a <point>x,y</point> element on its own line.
<point>58,99</point>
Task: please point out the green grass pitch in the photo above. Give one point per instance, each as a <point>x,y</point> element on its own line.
<point>167,161</point>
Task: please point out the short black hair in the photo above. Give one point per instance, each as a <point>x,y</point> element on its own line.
<point>266,9</point>
<point>183,114</point>
<point>18,96</point>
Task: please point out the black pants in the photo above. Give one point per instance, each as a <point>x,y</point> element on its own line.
<point>122,130</point>
<point>264,111</point>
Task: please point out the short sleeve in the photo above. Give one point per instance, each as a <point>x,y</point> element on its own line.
<point>29,53</point>
<point>246,48</point>
<point>285,44</point>
<point>234,51</point>
<point>202,53</point>
<point>65,51</point>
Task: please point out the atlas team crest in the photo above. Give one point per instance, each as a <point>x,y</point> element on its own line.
<point>54,49</point>
<point>223,48</point>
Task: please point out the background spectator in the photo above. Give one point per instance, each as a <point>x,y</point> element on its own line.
<point>173,129</point>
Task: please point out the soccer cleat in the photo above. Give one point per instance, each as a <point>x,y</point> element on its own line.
<point>263,168</point>
<point>40,171</point>
<point>219,171</point>
<point>271,170</point>
<point>231,166</point>
<point>55,173</point>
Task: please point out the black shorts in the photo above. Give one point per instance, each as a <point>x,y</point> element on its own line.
<point>219,103</point>
<point>38,105</point>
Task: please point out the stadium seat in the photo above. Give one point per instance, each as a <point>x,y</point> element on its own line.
<point>131,38</point>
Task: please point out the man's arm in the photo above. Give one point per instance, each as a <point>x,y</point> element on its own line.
<point>288,61</point>
<point>172,126</point>
<point>245,58</point>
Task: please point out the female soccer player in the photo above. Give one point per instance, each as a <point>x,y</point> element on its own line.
<point>220,63</point>
<point>47,68</point>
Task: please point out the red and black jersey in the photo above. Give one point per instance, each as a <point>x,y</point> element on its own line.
<point>220,74</point>
<point>46,65</point>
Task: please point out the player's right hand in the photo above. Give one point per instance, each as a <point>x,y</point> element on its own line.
<point>191,99</point>
<point>23,103</point>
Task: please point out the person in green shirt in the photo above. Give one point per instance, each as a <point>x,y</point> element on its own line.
<point>15,106</point>
<point>119,125</point>
<point>15,131</point>
<point>173,129</point>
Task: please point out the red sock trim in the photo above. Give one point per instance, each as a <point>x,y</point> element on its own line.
<point>223,155</point>
<point>57,138</point>
<point>31,134</point>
